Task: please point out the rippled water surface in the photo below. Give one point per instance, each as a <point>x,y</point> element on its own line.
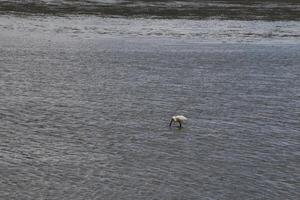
<point>187,9</point>
<point>85,103</point>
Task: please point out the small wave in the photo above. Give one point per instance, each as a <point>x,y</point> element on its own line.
<point>199,30</point>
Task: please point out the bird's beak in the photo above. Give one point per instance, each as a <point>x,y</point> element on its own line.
<point>171,122</point>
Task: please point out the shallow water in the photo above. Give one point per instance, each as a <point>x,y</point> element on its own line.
<point>85,103</point>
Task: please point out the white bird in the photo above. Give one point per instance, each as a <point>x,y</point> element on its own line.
<point>178,118</point>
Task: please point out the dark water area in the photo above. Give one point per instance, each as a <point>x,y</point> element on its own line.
<point>189,9</point>
<point>87,90</point>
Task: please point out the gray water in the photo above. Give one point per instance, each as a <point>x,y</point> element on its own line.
<point>86,100</point>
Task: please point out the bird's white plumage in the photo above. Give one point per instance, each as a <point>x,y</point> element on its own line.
<point>179,118</point>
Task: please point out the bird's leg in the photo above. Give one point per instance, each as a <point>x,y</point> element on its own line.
<point>179,124</point>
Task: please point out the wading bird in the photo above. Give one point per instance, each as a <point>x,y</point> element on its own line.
<point>178,118</point>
